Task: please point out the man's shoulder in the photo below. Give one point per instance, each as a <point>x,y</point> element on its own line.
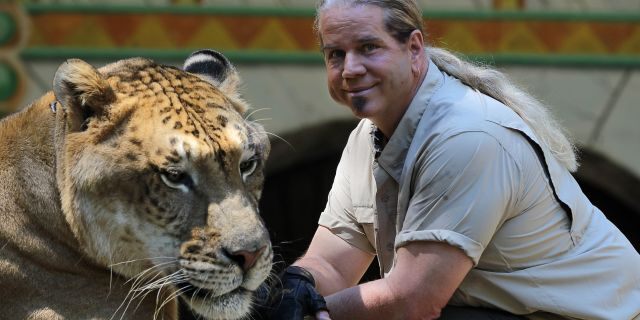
<point>459,107</point>
<point>360,143</point>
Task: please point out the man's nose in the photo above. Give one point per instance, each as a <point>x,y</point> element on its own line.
<point>353,66</point>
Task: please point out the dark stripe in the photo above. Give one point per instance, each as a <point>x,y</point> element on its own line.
<point>209,68</point>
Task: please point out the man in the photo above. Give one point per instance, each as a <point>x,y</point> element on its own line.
<point>460,184</point>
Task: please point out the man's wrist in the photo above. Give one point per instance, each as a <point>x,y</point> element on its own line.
<point>300,272</point>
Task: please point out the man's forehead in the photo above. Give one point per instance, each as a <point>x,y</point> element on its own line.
<point>338,16</point>
<point>355,26</point>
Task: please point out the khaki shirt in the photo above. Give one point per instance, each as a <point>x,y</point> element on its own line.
<point>464,169</point>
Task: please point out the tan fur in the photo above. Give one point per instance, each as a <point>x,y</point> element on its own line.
<point>94,203</point>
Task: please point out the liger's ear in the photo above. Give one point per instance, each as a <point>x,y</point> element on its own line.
<point>82,91</point>
<point>214,68</point>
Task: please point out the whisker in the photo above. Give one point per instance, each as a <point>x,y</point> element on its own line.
<point>174,281</point>
<point>132,295</point>
<point>110,268</point>
<point>160,291</point>
<point>262,119</point>
<point>154,283</point>
<point>170,297</point>
<point>254,111</point>
<point>150,269</point>
<point>126,298</point>
<point>142,259</point>
<point>283,140</point>
<point>158,283</point>
<point>141,296</point>
<point>143,277</point>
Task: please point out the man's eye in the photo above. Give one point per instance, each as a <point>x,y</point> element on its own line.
<point>335,54</point>
<point>369,47</point>
<point>176,179</point>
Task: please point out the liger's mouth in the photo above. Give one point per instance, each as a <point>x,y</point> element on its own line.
<point>190,291</point>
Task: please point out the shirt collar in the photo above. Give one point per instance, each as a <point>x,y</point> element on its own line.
<point>393,155</point>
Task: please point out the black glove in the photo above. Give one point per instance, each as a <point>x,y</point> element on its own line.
<point>292,299</point>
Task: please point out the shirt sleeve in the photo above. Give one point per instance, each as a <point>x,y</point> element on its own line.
<point>463,188</point>
<point>340,215</point>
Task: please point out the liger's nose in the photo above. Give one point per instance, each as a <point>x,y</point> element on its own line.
<point>246,259</point>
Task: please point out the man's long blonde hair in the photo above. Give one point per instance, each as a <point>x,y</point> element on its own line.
<point>404,16</point>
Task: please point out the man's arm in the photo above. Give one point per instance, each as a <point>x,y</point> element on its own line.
<point>334,263</point>
<point>424,278</point>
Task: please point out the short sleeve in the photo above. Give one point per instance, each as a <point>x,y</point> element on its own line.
<point>340,215</point>
<point>463,188</point>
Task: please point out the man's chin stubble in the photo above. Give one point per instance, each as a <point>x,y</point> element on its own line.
<point>358,103</point>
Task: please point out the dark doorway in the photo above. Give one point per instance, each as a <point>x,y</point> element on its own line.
<point>300,173</point>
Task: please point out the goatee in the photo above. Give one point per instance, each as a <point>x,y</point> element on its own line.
<point>359,103</point>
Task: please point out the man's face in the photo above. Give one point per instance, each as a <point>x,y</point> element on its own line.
<point>368,70</point>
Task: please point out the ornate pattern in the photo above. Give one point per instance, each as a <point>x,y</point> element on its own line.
<point>295,34</point>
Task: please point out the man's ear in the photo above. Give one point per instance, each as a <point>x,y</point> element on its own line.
<point>415,44</point>
<point>214,68</point>
<point>82,91</point>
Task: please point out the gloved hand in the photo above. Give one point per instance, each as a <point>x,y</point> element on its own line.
<point>292,299</point>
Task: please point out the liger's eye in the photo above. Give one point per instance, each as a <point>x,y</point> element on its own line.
<point>176,179</point>
<point>248,166</point>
